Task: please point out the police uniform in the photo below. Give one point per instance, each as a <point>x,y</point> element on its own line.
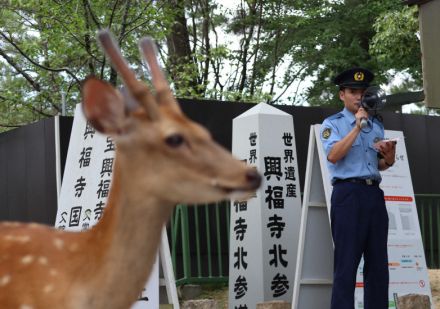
<point>359,219</point>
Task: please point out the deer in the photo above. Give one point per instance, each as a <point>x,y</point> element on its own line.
<point>162,159</point>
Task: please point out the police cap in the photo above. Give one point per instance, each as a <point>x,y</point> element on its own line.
<point>356,78</point>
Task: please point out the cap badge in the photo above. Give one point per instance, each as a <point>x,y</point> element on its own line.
<point>359,76</point>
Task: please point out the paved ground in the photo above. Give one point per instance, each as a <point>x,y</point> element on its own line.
<point>220,293</point>
<point>434,278</point>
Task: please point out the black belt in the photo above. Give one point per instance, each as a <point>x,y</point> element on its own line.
<point>364,181</point>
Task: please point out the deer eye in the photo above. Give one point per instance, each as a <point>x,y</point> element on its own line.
<point>175,140</point>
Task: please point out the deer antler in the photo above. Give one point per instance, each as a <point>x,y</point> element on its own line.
<point>137,89</point>
<point>163,92</point>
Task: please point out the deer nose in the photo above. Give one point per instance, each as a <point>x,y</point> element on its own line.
<point>253,178</point>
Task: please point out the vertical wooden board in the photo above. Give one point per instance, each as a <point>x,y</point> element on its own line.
<point>16,174</point>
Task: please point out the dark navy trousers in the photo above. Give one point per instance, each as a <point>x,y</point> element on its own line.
<point>359,223</point>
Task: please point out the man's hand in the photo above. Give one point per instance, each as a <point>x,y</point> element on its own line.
<point>360,114</point>
<point>388,151</point>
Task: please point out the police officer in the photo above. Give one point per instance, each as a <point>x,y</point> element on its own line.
<point>359,218</point>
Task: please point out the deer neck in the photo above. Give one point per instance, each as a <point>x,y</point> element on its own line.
<point>128,235</point>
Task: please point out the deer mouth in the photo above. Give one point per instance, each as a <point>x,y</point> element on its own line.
<point>252,183</point>
<point>228,190</point>
<point>236,192</point>
<point>223,188</point>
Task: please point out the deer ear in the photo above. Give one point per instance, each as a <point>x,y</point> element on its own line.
<point>103,106</point>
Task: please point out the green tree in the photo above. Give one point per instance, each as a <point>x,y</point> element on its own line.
<point>341,34</point>
<point>257,51</point>
<point>396,44</point>
<point>48,47</point>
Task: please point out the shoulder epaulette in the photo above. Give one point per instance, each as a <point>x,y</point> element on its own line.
<point>335,116</point>
<point>378,120</point>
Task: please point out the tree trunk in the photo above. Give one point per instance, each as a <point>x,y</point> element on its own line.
<point>179,48</point>
<point>257,48</point>
<point>247,41</point>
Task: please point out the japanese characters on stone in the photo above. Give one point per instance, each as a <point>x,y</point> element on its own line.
<point>279,188</point>
<point>84,213</point>
<point>278,166</point>
<point>264,230</point>
<point>240,225</point>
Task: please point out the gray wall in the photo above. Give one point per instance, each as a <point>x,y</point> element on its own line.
<point>27,154</point>
<point>28,172</point>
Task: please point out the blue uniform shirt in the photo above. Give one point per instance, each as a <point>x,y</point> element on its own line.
<point>362,160</point>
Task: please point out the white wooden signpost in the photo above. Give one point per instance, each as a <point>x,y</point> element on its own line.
<point>314,268</point>
<point>83,194</point>
<point>264,229</point>
<point>314,264</point>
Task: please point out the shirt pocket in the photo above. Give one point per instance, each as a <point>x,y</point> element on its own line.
<point>372,152</point>
<point>372,148</point>
<point>357,142</point>
<point>356,151</point>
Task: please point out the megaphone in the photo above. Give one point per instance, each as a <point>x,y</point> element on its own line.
<point>374,98</point>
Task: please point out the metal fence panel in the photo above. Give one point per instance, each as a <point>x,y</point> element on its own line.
<point>200,239</point>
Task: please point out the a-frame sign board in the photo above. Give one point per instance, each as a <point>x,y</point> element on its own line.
<point>314,264</point>
<point>166,272</point>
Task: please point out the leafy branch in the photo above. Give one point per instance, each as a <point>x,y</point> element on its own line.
<point>10,41</point>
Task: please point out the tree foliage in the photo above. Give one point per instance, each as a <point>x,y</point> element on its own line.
<point>342,34</point>
<point>279,51</point>
<point>396,45</point>
<point>49,47</point>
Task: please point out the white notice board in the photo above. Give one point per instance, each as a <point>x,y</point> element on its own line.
<point>406,257</point>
